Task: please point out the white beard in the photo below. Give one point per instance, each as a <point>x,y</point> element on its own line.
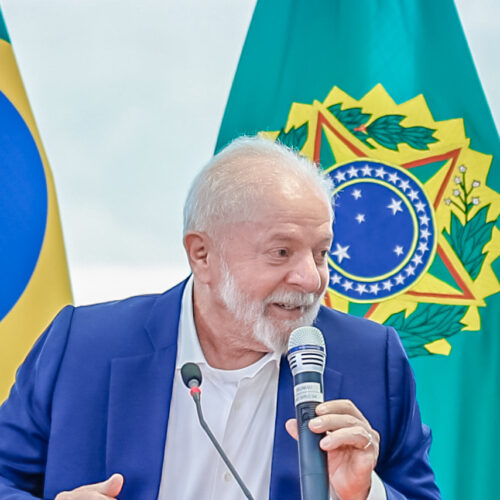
<point>272,334</point>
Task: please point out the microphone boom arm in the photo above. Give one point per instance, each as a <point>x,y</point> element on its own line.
<point>204,425</point>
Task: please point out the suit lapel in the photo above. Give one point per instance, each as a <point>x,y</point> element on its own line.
<point>139,402</point>
<point>285,482</point>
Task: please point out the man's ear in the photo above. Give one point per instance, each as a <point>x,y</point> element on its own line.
<point>198,246</point>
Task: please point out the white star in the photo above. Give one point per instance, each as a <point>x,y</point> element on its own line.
<point>360,218</point>
<point>353,172</point>
<point>361,288</point>
<point>410,271</point>
<point>395,206</point>
<point>425,233</point>
<point>341,253</point>
<point>380,172</point>
<point>424,220</point>
<point>422,247</point>
<point>398,250</point>
<point>357,194</point>
<point>420,206</point>
<point>394,178</point>
<point>335,279</point>
<point>367,171</point>
<point>413,195</point>
<point>347,285</point>
<point>417,259</point>
<point>374,288</point>
<point>404,185</point>
<point>387,285</point>
<point>340,176</point>
<point>399,279</point>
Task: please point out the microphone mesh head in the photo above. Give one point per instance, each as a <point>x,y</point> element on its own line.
<point>306,350</point>
<point>306,335</point>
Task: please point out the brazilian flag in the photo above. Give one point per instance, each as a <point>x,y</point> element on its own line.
<point>34,281</point>
<point>384,96</point>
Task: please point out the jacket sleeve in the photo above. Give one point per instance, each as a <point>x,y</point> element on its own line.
<point>404,466</point>
<point>25,415</point>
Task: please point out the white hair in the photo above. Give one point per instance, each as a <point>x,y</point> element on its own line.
<point>228,188</point>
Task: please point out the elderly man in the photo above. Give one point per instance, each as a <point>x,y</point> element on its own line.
<point>100,395</point>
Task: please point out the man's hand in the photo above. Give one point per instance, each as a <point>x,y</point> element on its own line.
<point>98,491</point>
<point>351,443</point>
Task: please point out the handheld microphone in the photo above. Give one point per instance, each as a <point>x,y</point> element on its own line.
<point>191,376</point>
<point>306,357</point>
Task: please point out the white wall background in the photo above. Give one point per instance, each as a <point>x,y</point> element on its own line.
<point>128,98</point>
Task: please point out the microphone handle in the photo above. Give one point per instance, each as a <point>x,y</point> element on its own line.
<point>314,483</point>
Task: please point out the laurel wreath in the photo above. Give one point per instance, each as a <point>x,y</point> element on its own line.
<point>386,129</point>
<point>295,138</point>
<point>429,322</point>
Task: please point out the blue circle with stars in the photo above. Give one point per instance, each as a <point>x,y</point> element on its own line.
<point>384,231</point>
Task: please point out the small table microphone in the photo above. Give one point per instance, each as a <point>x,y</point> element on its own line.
<point>191,376</point>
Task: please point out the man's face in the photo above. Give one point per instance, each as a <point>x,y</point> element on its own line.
<point>273,270</point>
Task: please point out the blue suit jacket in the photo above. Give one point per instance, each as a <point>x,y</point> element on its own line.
<point>93,398</point>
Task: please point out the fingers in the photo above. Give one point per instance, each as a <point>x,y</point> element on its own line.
<point>335,422</point>
<point>105,490</point>
<point>355,437</point>
<point>341,407</point>
<point>291,427</point>
<point>344,425</point>
<point>111,487</point>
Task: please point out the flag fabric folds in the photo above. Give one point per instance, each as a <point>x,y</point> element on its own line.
<point>384,96</point>
<point>33,269</point>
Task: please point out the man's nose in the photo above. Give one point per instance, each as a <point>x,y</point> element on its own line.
<point>305,274</point>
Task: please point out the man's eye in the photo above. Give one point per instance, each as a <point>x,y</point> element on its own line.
<point>321,256</point>
<point>282,252</point>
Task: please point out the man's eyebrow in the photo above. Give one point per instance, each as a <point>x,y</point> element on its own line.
<point>286,236</point>
<point>281,236</point>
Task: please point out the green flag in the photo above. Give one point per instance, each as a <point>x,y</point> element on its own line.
<point>384,96</point>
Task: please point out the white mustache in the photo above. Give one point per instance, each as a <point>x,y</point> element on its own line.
<point>292,299</point>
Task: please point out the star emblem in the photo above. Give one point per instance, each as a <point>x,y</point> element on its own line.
<point>356,194</point>
<point>387,285</point>
<point>413,195</point>
<point>394,178</point>
<point>335,279</point>
<point>353,172</point>
<point>366,171</point>
<point>395,206</point>
<point>398,250</point>
<point>347,285</point>
<point>404,185</point>
<point>340,177</point>
<point>425,234</point>
<point>420,207</point>
<point>341,253</point>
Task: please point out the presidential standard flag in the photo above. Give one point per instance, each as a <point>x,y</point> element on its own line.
<point>384,96</point>
<point>33,269</point>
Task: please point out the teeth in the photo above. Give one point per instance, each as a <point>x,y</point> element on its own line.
<point>287,306</point>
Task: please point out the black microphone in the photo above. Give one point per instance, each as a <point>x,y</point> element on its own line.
<point>191,376</point>
<point>306,356</point>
